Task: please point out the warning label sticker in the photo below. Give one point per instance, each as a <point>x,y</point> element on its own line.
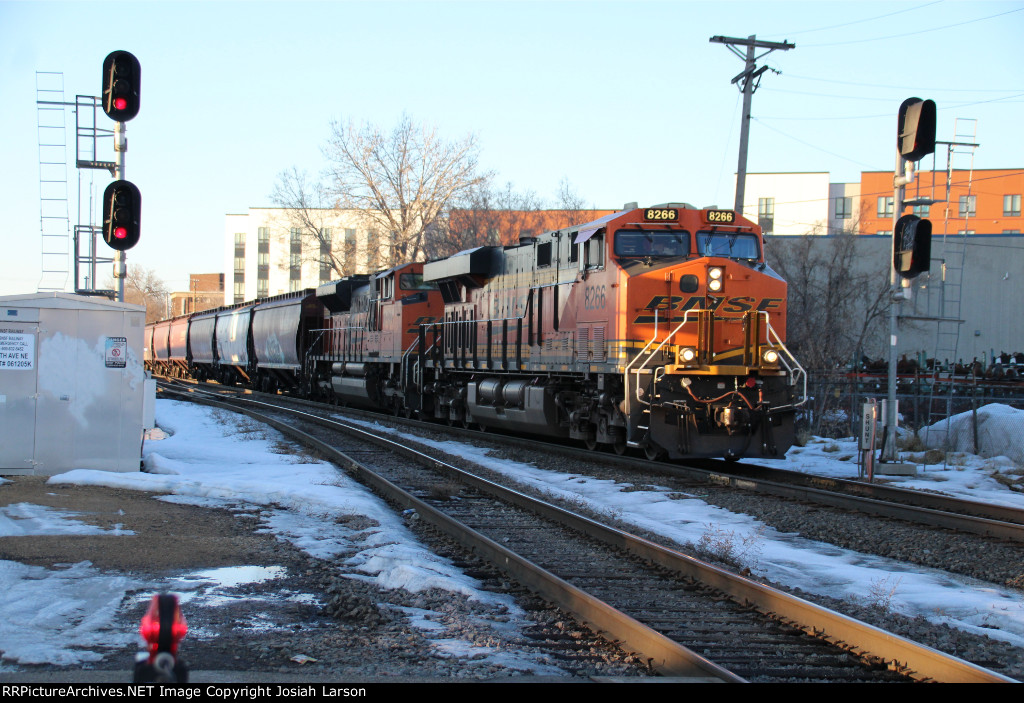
<point>17,350</point>
<point>117,352</point>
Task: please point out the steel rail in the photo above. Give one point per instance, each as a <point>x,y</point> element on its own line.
<point>903,655</point>
<point>663,654</point>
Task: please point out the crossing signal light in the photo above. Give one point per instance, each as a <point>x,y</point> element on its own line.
<point>912,246</point>
<point>122,212</point>
<point>915,137</point>
<point>121,74</point>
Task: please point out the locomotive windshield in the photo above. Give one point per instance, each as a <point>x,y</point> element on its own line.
<point>735,245</point>
<point>651,244</point>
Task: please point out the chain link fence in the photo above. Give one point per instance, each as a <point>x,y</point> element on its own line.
<point>953,414</point>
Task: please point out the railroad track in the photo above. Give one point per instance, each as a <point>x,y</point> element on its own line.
<point>688,618</point>
<point>916,507</point>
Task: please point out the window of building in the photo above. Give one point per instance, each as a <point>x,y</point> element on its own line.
<point>263,236</point>
<point>295,237</point>
<point>372,250</point>
<point>922,210</point>
<point>966,231</point>
<point>262,288</point>
<point>968,205</point>
<point>1011,231</point>
<point>239,291</point>
<point>844,208</point>
<point>239,265</point>
<point>885,206</point>
<point>239,239</point>
<point>766,214</point>
<point>1011,206</point>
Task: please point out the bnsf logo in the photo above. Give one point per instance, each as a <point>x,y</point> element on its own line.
<point>729,306</point>
<point>426,320</point>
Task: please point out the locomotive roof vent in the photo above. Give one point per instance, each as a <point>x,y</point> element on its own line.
<point>631,206</point>
<point>680,206</point>
<point>526,239</point>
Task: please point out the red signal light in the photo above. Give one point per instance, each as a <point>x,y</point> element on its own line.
<point>121,85</point>
<point>163,626</point>
<point>120,233</point>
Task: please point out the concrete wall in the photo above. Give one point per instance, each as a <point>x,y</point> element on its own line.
<point>989,285</point>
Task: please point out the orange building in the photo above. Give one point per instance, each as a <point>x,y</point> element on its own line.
<point>979,202</point>
<point>479,226</point>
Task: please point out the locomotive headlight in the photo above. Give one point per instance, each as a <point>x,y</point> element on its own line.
<point>715,276</point>
<point>770,356</point>
<point>687,355</point>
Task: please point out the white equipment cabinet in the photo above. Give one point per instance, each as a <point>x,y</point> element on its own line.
<point>72,384</point>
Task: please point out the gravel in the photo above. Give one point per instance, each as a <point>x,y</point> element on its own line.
<point>999,562</point>
<point>311,623</point>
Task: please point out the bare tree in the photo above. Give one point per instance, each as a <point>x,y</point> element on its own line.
<point>837,305</point>
<point>143,287</point>
<point>836,301</point>
<point>402,181</point>
<point>310,210</point>
<point>490,216</point>
<point>486,217</point>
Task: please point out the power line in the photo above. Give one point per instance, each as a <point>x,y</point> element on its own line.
<point>867,19</point>
<point>954,106</point>
<point>903,87</point>
<point>920,31</point>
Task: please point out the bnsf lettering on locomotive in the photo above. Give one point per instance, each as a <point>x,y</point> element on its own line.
<point>734,306</point>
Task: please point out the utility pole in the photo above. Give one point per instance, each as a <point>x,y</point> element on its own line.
<point>749,80</point>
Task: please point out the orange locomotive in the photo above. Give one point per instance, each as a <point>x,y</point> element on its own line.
<point>660,329</point>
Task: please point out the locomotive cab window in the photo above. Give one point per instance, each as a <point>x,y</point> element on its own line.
<point>593,252</point>
<point>386,287</point>
<point>651,244</point>
<point>414,281</point>
<point>734,245</point>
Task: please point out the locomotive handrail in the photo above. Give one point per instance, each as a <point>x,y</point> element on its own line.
<point>405,357</point>
<point>794,371</point>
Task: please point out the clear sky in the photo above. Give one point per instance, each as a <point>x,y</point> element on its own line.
<point>627,100</point>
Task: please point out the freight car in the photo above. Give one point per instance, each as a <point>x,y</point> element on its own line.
<point>659,329</point>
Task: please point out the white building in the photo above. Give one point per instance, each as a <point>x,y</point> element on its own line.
<point>800,203</point>
<point>268,251</point>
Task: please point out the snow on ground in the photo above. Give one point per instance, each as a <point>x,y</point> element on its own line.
<point>201,463</point>
<point>815,567</point>
<point>214,458</point>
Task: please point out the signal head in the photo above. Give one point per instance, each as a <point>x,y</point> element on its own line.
<point>915,129</point>
<point>912,246</point>
<point>122,214</point>
<point>121,83</point>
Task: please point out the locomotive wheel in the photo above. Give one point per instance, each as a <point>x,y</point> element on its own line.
<point>590,443</point>
<point>619,444</point>
<point>653,452</point>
